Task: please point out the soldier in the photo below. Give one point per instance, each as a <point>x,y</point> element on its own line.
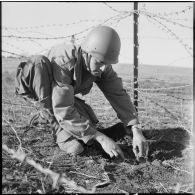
<point>55,80</point>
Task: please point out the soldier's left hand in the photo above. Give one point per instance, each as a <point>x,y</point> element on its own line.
<point>140,145</point>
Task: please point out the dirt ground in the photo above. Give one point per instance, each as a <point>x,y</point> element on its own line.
<point>168,169</point>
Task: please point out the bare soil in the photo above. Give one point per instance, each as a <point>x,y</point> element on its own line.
<point>168,168</point>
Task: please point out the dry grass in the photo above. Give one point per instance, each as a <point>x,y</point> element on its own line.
<point>168,169</point>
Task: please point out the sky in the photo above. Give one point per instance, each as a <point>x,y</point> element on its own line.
<point>164,28</point>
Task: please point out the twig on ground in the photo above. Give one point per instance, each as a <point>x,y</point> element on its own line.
<point>43,187</point>
<point>123,191</point>
<point>152,140</point>
<point>106,182</point>
<point>21,105</point>
<point>50,163</point>
<point>163,187</point>
<point>57,178</point>
<point>20,143</point>
<point>165,163</point>
<point>89,176</point>
<point>101,185</point>
<point>177,188</point>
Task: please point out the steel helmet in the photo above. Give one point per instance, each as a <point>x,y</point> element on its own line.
<point>103,43</point>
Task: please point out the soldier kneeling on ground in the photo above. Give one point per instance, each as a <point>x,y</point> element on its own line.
<point>54,80</point>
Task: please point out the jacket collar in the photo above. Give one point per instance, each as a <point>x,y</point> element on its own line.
<point>80,63</point>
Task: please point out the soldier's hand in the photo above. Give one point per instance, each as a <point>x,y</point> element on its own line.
<point>108,145</point>
<point>140,145</point>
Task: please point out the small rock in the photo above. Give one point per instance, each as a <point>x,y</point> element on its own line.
<point>156,163</point>
<point>90,162</point>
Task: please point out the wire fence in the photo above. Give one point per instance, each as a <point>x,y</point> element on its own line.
<point>160,20</point>
<point>163,103</point>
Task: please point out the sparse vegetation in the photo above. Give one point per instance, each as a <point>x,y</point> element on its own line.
<point>166,116</point>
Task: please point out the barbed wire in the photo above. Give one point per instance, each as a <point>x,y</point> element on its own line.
<point>168,30</point>
<point>163,88</point>
<point>113,9</point>
<point>40,45</point>
<point>166,19</point>
<point>49,25</point>
<point>176,12</point>
<point>60,178</point>
<point>116,18</point>
<point>155,15</point>
<point>154,93</point>
<point>14,54</point>
<point>9,44</point>
<point>33,32</point>
<point>174,115</point>
<point>60,37</point>
<point>146,79</point>
<point>182,19</point>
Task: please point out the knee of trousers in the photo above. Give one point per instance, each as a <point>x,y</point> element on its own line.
<point>68,143</point>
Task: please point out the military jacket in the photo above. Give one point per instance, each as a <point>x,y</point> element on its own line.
<point>71,77</point>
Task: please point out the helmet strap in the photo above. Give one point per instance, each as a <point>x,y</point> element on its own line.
<point>87,58</point>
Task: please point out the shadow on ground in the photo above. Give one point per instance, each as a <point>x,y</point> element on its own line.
<point>164,144</point>
<point>90,167</point>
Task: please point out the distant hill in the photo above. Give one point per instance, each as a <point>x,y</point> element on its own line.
<point>161,72</point>
<point>184,75</point>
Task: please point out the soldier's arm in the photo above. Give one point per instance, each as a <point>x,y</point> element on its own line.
<point>112,87</point>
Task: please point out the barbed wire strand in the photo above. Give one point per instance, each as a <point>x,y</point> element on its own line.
<point>14,54</point>
<point>15,47</point>
<point>59,37</point>
<point>166,19</point>
<point>31,38</point>
<point>49,25</point>
<point>164,88</point>
<point>187,48</point>
<point>168,111</point>
<point>113,9</point>
<point>176,12</point>
<point>32,41</point>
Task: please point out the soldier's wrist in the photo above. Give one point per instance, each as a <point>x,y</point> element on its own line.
<point>98,136</point>
<point>136,128</point>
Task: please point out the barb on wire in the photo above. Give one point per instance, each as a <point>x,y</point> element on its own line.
<point>48,25</point>
<point>32,41</point>
<point>182,19</point>
<point>176,12</point>
<point>165,88</point>
<point>14,54</point>
<point>35,32</point>
<point>13,46</point>
<point>113,9</point>
<point>59,37</point>
<point>164,27</point>
<point>168,111</point>
<point>166,19</point>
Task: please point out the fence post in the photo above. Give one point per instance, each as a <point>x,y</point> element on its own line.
<point>135,20</point>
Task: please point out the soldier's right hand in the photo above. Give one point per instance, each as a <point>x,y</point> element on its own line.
<point>108,145</point>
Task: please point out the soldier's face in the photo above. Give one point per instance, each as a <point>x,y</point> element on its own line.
<point>96,67</point>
